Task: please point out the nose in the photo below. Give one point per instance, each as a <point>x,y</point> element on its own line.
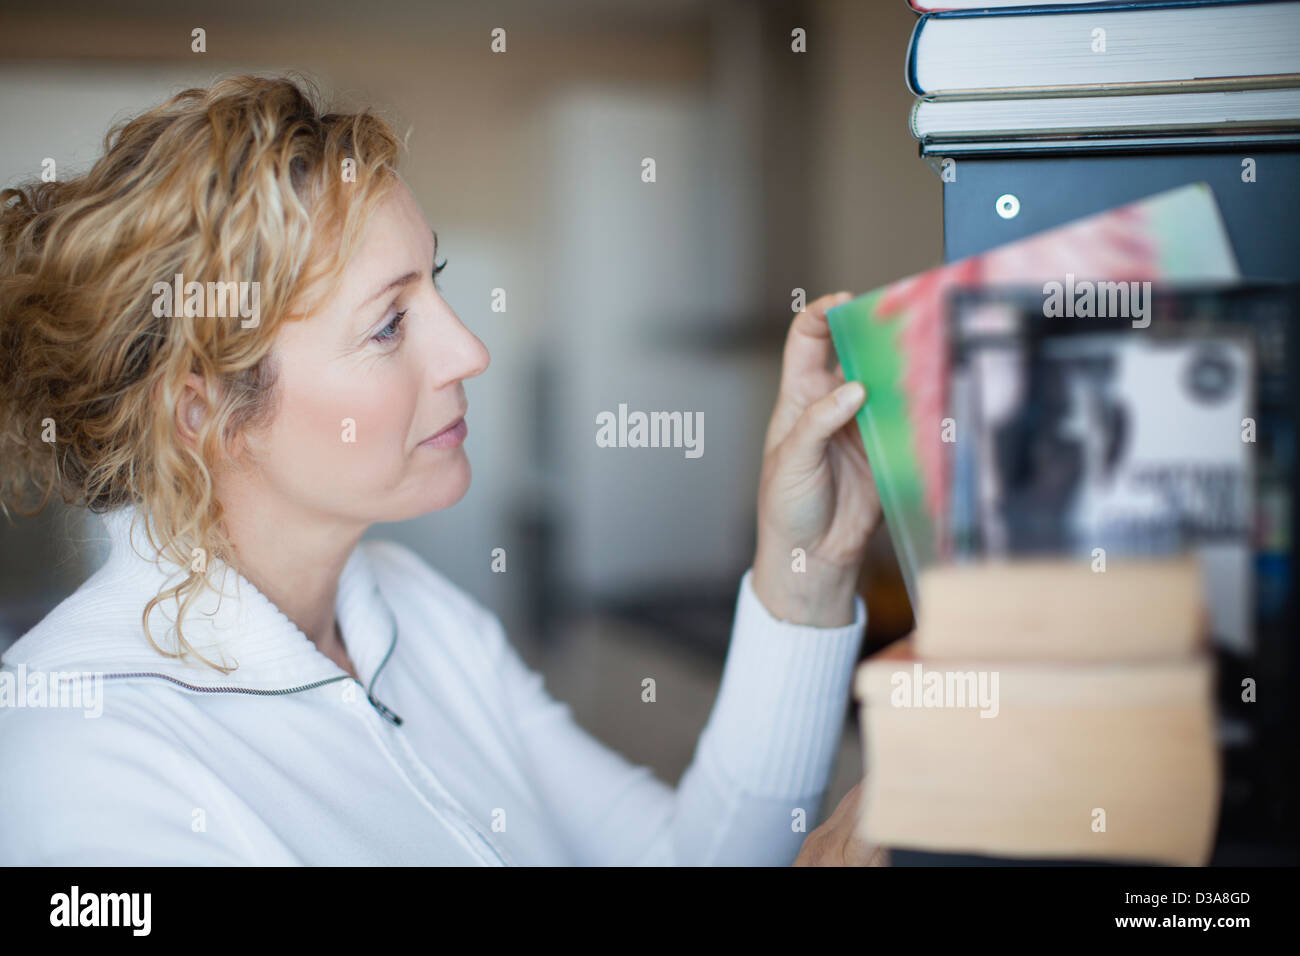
<point>460,354</point>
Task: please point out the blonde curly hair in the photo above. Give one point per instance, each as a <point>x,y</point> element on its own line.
<point>248,180</point>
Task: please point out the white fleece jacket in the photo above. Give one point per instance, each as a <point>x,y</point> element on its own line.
<point>288,760</point>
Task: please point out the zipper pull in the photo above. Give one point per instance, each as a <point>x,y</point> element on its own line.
<point>384,711</point>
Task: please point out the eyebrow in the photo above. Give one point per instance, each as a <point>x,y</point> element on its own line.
<point>403,279</point>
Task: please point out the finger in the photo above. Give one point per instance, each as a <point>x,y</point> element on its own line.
<point>819,423</point>
<point>850,437</point>
<point>858,848</point>
<point>788,409</point>
<point>859,851</point>
<point>847,808</point>
<point>808,345</point>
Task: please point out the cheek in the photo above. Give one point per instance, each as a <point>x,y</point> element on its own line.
<point>354,422</point>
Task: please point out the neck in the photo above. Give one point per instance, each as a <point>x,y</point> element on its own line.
<point>295,557</point>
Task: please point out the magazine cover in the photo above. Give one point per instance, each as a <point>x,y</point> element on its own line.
<point>1107,445</point>
<point>894,339</point>
<point>1081,434</point>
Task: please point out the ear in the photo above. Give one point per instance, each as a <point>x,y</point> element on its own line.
<point>191,409</point>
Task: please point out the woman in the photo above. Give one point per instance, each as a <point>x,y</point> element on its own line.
<point>267,688</point>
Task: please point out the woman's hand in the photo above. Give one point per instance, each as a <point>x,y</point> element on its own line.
<point>839,841</point>
<point>816,492</point>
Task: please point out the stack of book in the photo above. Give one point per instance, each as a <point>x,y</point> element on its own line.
<point>1049,456</point>
<point>999,70</point>
<point>1046,711</point>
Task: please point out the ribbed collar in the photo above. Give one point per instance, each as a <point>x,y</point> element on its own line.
<point>238,626</point>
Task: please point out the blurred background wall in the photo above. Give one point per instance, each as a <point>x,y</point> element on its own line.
<point>775,170</point>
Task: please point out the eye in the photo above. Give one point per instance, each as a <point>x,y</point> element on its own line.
<point>437,271</point>
<point>390,331</point>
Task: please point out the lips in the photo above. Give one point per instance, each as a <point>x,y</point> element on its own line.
<point>447,431</point>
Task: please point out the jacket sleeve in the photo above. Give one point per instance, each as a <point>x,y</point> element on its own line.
<point>760,769</point>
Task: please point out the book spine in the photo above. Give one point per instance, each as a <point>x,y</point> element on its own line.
<point>1001,146</point>
<point>1217,84</point>
<point>1037,9</point>
<point>909,66</point>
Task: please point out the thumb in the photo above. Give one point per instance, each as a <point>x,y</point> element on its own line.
<point>820,421</point>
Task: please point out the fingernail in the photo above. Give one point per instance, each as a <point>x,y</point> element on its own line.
<point>841,297</point>
<point>851,393</point>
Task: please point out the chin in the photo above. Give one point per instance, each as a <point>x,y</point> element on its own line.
<point>447,485</point>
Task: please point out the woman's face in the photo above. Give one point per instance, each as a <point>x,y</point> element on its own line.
<point>367,379</point>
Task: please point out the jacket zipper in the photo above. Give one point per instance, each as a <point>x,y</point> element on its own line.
<point>386,712</point>
<point>377,704</point>
<point>229,690</point>
<point>465,824</point>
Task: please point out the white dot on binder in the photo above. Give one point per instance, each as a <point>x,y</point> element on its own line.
<point>1008,206</point>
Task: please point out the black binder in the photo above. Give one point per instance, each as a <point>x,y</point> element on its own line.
<point>1054,185</point>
